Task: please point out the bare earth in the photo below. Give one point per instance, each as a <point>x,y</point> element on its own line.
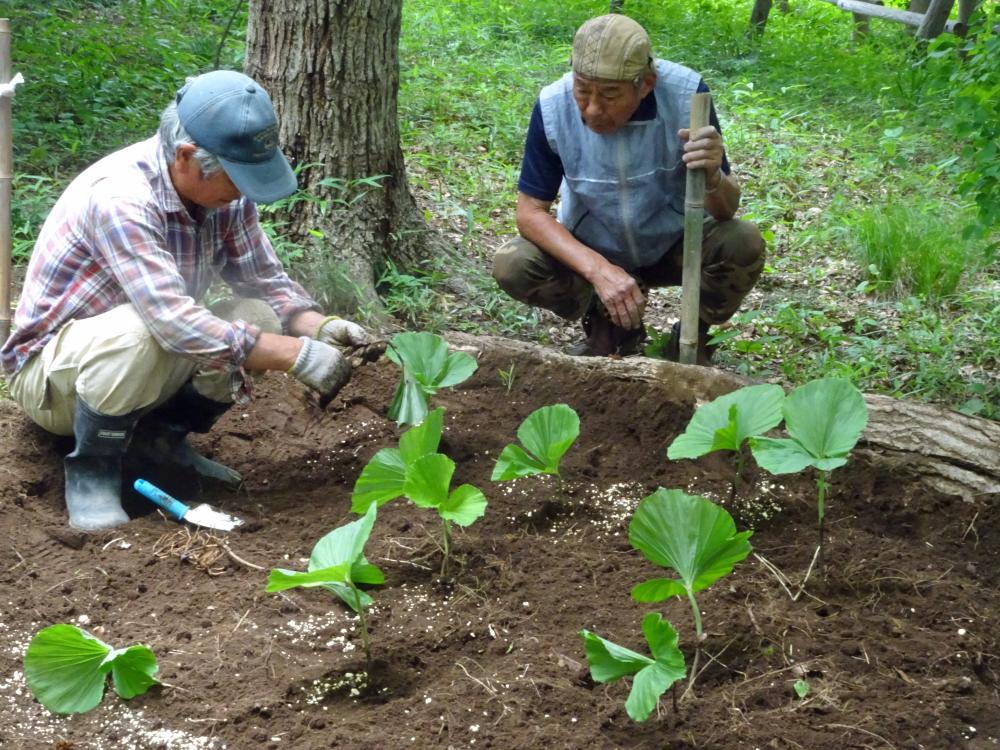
<point>897,639</point>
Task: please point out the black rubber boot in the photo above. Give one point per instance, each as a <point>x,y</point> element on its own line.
<point>604,338</point>
<point>162,435</point>
<point>94,468</point>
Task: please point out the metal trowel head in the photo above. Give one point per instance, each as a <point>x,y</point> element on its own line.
<point>200,515</point>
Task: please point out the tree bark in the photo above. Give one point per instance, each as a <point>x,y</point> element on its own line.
<point>952,453</point>
<point>332,69</point>
<point>758,16</point>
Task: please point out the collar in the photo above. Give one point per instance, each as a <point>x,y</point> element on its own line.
<point>646,109</point>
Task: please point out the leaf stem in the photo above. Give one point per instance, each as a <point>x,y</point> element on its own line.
<point>444,546</point>
<point>362,621</point>
<point>821,486</point>
<point>697,614</point>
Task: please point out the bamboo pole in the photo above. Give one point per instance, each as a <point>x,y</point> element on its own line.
<point>694,219</point>
<point>6,174</point>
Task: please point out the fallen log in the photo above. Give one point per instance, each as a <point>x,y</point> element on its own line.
<point>953,453</point>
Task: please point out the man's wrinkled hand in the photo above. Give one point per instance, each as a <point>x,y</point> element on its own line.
<point>338,332</point>
<point>322,367</point>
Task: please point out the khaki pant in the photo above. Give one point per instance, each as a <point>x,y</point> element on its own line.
<point>114,364</point>
<point>731,262</point>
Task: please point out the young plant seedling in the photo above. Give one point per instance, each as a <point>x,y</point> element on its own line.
<point>547,433</point>
<point>427,367</point>
<point>384,477</point>
<point>824,419</point>
<point>417,471</point>
<point>692,536</point>
<point>66,669</point>
<point>338,564</point>
<point>653,677</point>
<point>723,424</point>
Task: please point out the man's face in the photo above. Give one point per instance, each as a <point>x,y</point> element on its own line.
<point>606,106</point>
<point>213,191</point>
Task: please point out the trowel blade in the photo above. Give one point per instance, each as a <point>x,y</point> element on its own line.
<point>205,515</point>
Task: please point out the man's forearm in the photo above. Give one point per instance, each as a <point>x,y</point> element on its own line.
<point>273,352</point>
<point>305,323</point>
<point>542,229</point>
<point>722,198</point>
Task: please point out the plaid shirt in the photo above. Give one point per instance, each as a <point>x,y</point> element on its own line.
<point>120,234</point>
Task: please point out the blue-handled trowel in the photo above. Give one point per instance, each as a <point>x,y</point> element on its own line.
<point>200,515</point>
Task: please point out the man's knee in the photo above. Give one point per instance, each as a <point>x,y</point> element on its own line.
<point>514,265</point>
<point>741,244</point>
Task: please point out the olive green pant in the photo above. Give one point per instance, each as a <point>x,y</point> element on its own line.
<point>115,365</point>
<point>732,258</point>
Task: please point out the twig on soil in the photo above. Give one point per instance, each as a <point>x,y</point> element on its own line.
<point>19,557</point>
<point>241,621</point>
<point>972,527</point>
<point>403,562</point>
<point>76,577</point>
<point>863,731</point>
<point>239,559</point>
<point>785,581</point>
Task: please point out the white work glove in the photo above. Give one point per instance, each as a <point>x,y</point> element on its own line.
<point>321,367</point>
<point>337,332</point>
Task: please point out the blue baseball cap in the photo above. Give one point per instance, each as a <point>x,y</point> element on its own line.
<point>229,115</point>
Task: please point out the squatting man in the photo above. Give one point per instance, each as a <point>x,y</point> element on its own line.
<point>611,139</point>
<point>112,343</point>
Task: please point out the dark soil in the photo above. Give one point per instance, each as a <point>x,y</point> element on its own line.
<point>897,639</point>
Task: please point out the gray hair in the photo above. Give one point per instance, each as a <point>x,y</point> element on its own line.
<point>173,134</point>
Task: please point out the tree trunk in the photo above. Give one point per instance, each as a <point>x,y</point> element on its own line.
<point>758,16</point>
<point>332,69</point>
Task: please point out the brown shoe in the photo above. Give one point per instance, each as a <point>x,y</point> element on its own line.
<point>705,352</point>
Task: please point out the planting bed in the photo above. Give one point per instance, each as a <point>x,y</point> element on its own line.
<point>897,638</point>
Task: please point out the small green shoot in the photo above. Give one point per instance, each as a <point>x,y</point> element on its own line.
<point>692,536</point>
<point>338,564</point>
<point>824,419</point>
<point>428,483</point>
<point>427,367</point>
<point>801,688</point>
<point>723,424</point>
<point>66,669</point>
<point>547,433</point>
<point>507,377</point>
<point>653,677</point>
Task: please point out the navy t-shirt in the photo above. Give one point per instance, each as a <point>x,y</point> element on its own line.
<point>542,169</point>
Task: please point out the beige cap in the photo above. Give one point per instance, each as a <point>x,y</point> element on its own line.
<point>612,47</point>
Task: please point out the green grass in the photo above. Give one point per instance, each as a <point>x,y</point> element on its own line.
<point>839,147</point>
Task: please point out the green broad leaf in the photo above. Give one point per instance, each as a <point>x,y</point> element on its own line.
<point>465,505</point>
<point>826,417</point>
<point>608,661</point>
<point>409,403</point>
<point>281,579</point>
<point>384,476</point>
<point>380,481</point>
<point>344,544</point>
<point>62,667</point>
<point>132,670</point>
<point>428,480</point>
<point>723,424</point>
<point>688,534</point>
<point>424,438</point>
<point>427,366</point>
<point>546,433</point>
<point>515,462</point>
<point>658,589</point>
<point>780,455</point>
<point>653,677</point>
<point>347,595</point>
<point>363,572</point>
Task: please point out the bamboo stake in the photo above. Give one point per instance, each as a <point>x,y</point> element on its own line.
<point>694,218</point>
<point>6,174</point>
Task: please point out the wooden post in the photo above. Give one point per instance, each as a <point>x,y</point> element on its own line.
<point>758,16</point>
<point>6,174</point>
<point>935,19</point>
<point>694,219</point>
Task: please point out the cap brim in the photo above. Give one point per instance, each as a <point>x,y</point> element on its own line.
<point>264,181</point>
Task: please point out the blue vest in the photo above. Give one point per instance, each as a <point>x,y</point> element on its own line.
<point>623,194</point>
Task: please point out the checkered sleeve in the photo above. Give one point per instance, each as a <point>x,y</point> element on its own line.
<point>252,267</point>
<point>131,239</point>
